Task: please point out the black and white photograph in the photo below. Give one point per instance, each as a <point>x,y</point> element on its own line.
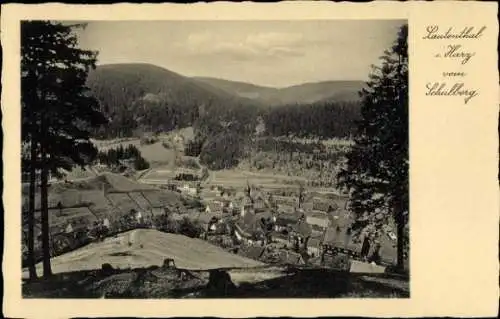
<point>215,159</point>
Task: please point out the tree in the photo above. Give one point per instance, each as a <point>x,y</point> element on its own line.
<point>302,194</point>
<point>376,172</point>
<point>29,165</point>
<point>58,112</point>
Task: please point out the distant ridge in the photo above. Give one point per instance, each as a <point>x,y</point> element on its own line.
<point>335,91</point>
<point>119,85</point>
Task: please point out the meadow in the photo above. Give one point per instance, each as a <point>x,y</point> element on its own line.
<point>144,248</point>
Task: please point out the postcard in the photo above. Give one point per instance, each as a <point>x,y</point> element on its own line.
<point>303,158</point>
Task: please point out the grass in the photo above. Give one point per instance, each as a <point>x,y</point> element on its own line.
<point>187,252</point>
<point>123,202</point>
<point>253,282</point>
<point>156,154</point>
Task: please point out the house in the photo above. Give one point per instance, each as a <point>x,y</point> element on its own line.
<point>284,201</point>
<point>291,258</point>
<point>314,247</point>
<point>225,194</point>
<point>307,206</point>
<point>139,217</point>
<point>218,227</point>
<point>179,139</point>
<point>228,204</point>
<point>318,219</point>
<point>106,223</point>
<point>385,249</point>
<point>227,241</point>
<point>248,229</point>
<point>324,205</point>
<point>252,252</point>
<point>239,195</point>
<point>213,207</point>
<point>283,222</point>
<point>68,229</point>
<point>158,211</point>
<point>206,219</point>
<point>281,239</point>
<point>187,189</point>
<point>246,205</point>
<point>338,237</point>
<point>238,235</point>
<point>391,235</point>
<point>300,234</point>
<point>317,230</point>
<point>259,201</point>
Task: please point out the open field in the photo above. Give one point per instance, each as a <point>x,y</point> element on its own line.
<point>238,179</point>
<point>144,248</point>
<point>156,154</point>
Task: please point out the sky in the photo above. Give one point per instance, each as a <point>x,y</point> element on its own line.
<point>268,53</point>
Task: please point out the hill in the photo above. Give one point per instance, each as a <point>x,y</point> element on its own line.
<point>146,81</point>
<point>146,96</point>
<point>83,203</point>
<point>144,248</point>
<point>331,91</point>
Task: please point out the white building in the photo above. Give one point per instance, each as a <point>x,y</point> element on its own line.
<point>106,223</point>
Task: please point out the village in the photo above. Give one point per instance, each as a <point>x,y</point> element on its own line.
<point>301,228</point>
<point>283,229</point>
<point>184,184</point>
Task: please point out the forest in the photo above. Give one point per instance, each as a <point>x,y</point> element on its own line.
<point>321,119</point>
<point>138,98</point>
<point>113,157</point>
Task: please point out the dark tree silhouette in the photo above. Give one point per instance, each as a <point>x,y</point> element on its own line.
<point>377,166</point>
<point>29,166</point>
<point>302,194</point>
<point>57,109</point>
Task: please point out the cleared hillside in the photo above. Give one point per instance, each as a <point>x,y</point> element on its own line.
<point>144,248</point>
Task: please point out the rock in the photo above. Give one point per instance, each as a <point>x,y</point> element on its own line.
<point>168,263</point>
<point>363,267</point>
<point>219,282</point>
<point>107,268</point>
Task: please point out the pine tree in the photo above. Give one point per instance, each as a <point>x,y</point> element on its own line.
<point>302,194</point>
<point>29,166</point>
<point>57,109</point>
<point>376,173</point>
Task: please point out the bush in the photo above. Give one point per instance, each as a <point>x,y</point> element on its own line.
<point>189,228</point>
<point>148,140</point>
<point>339,262</point>
<point>190,163</point>
<point>107,268</point>
<point>192,203</point>
<point>140,163</point>
<point>113,156</point>
<point>184,227</point>
<point>193,148</point>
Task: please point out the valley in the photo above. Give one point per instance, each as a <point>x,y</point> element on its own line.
<point>154,175</point>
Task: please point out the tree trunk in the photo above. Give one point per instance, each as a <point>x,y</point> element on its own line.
<point>47,271</point>
<point>31,212</point>
<point>400,238</point>
<point>400,225</point>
